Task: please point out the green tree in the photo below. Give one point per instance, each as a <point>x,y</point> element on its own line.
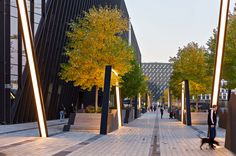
<point>134,82</point>
<point>190,64</point>
<point>94,42</point>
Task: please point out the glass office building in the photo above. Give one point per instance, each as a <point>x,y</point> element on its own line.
<point>159,76</point>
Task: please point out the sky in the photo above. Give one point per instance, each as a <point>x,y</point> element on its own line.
<point>162,26</point>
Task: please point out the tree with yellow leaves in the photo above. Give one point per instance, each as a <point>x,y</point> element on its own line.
<point>94,42</point>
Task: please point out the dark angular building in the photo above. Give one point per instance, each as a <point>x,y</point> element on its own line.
<point>159,75</point>
<point>49,21</point>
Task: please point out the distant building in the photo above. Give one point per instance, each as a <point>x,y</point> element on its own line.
<point>159,76</point>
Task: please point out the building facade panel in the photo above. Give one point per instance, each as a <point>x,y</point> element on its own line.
<point>50,20</point>
<point>159,76</point>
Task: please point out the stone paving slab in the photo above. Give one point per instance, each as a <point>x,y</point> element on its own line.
<point>178,139</point>
<point>133,139</point>
<point>15,128</point>
<point>147,136</point>
<point>43,146</point>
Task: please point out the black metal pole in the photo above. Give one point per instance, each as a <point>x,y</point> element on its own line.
<point>105,101</point>
<point>19,54</point>
<point>32,15</point>
<point>2,64</point>
<point>188,112</point>
<point>136,108</point>
<point>43,8</point>
<point>5,45</point>
<point>170,100</point>
<point>7,50</point>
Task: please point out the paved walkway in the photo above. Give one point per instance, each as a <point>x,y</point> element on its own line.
<point>147,136</point>
<point>178,139</point>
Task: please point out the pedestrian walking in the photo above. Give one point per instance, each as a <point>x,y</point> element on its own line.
<point>171,115</point>
<point>72,108</point>
<point>62,114</point>
<point>151,108</point>
<point>154,108</point>
<point>162,112</point>
<point>212,120</point>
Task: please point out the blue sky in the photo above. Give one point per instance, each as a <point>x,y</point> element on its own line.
<point>161,26</point>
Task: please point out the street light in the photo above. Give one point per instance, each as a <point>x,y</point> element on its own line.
<point>139,101</point>
<point>222,26</point>
<point>30,54</point>
<point>118,100</point>
<point>183,101</point>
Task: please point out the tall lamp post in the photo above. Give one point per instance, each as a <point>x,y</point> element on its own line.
<point>118,100</point>
<point>222,26</point>
<point>31,58</point>
<point>182,101</point>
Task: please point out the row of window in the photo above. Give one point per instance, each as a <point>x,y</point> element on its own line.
<point>156,66</point>
<point>222,96</point>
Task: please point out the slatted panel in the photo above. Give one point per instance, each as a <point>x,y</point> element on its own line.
<point>50,39</point>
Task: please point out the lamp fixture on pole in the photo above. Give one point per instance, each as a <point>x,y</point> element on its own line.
<point>222,26</point>
<point>31,59</point>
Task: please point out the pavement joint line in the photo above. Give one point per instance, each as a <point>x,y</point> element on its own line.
<point>16,144</point>
<point>26,141</point>
<point>26,129</point>
<point>155,143</point>
<point>2,154</point>
<point>77,146</point>
<point>23,142</point>
<point>199,131</point>
<point>58,133</point>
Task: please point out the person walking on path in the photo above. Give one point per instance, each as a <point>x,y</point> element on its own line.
<point>154,108</point>
<point>212,119</point>
<point>162,112</point>
<point>62,113</point>
<point>151,108</point>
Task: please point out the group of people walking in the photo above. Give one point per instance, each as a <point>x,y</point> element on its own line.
<point>153,108</point>
<point>63,111</point>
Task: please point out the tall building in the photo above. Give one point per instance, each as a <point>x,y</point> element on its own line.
<point>49,21</point>
<point>158,76</point>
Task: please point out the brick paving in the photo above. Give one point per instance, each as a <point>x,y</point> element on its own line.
<point>178,139</point>
<point>147,136</point>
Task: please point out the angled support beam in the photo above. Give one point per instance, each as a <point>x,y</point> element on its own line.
<point>32,61</point>
<point>188,112</point>
<point>222,26</point>
<point>105,101</point>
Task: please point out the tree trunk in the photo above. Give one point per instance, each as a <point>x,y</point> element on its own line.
<point>196,105</point>
<point>96,99</point>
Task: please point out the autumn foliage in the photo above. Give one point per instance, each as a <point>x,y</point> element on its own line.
<point>94,42</point>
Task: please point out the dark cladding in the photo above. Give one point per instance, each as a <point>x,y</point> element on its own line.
<point>50,39</point>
